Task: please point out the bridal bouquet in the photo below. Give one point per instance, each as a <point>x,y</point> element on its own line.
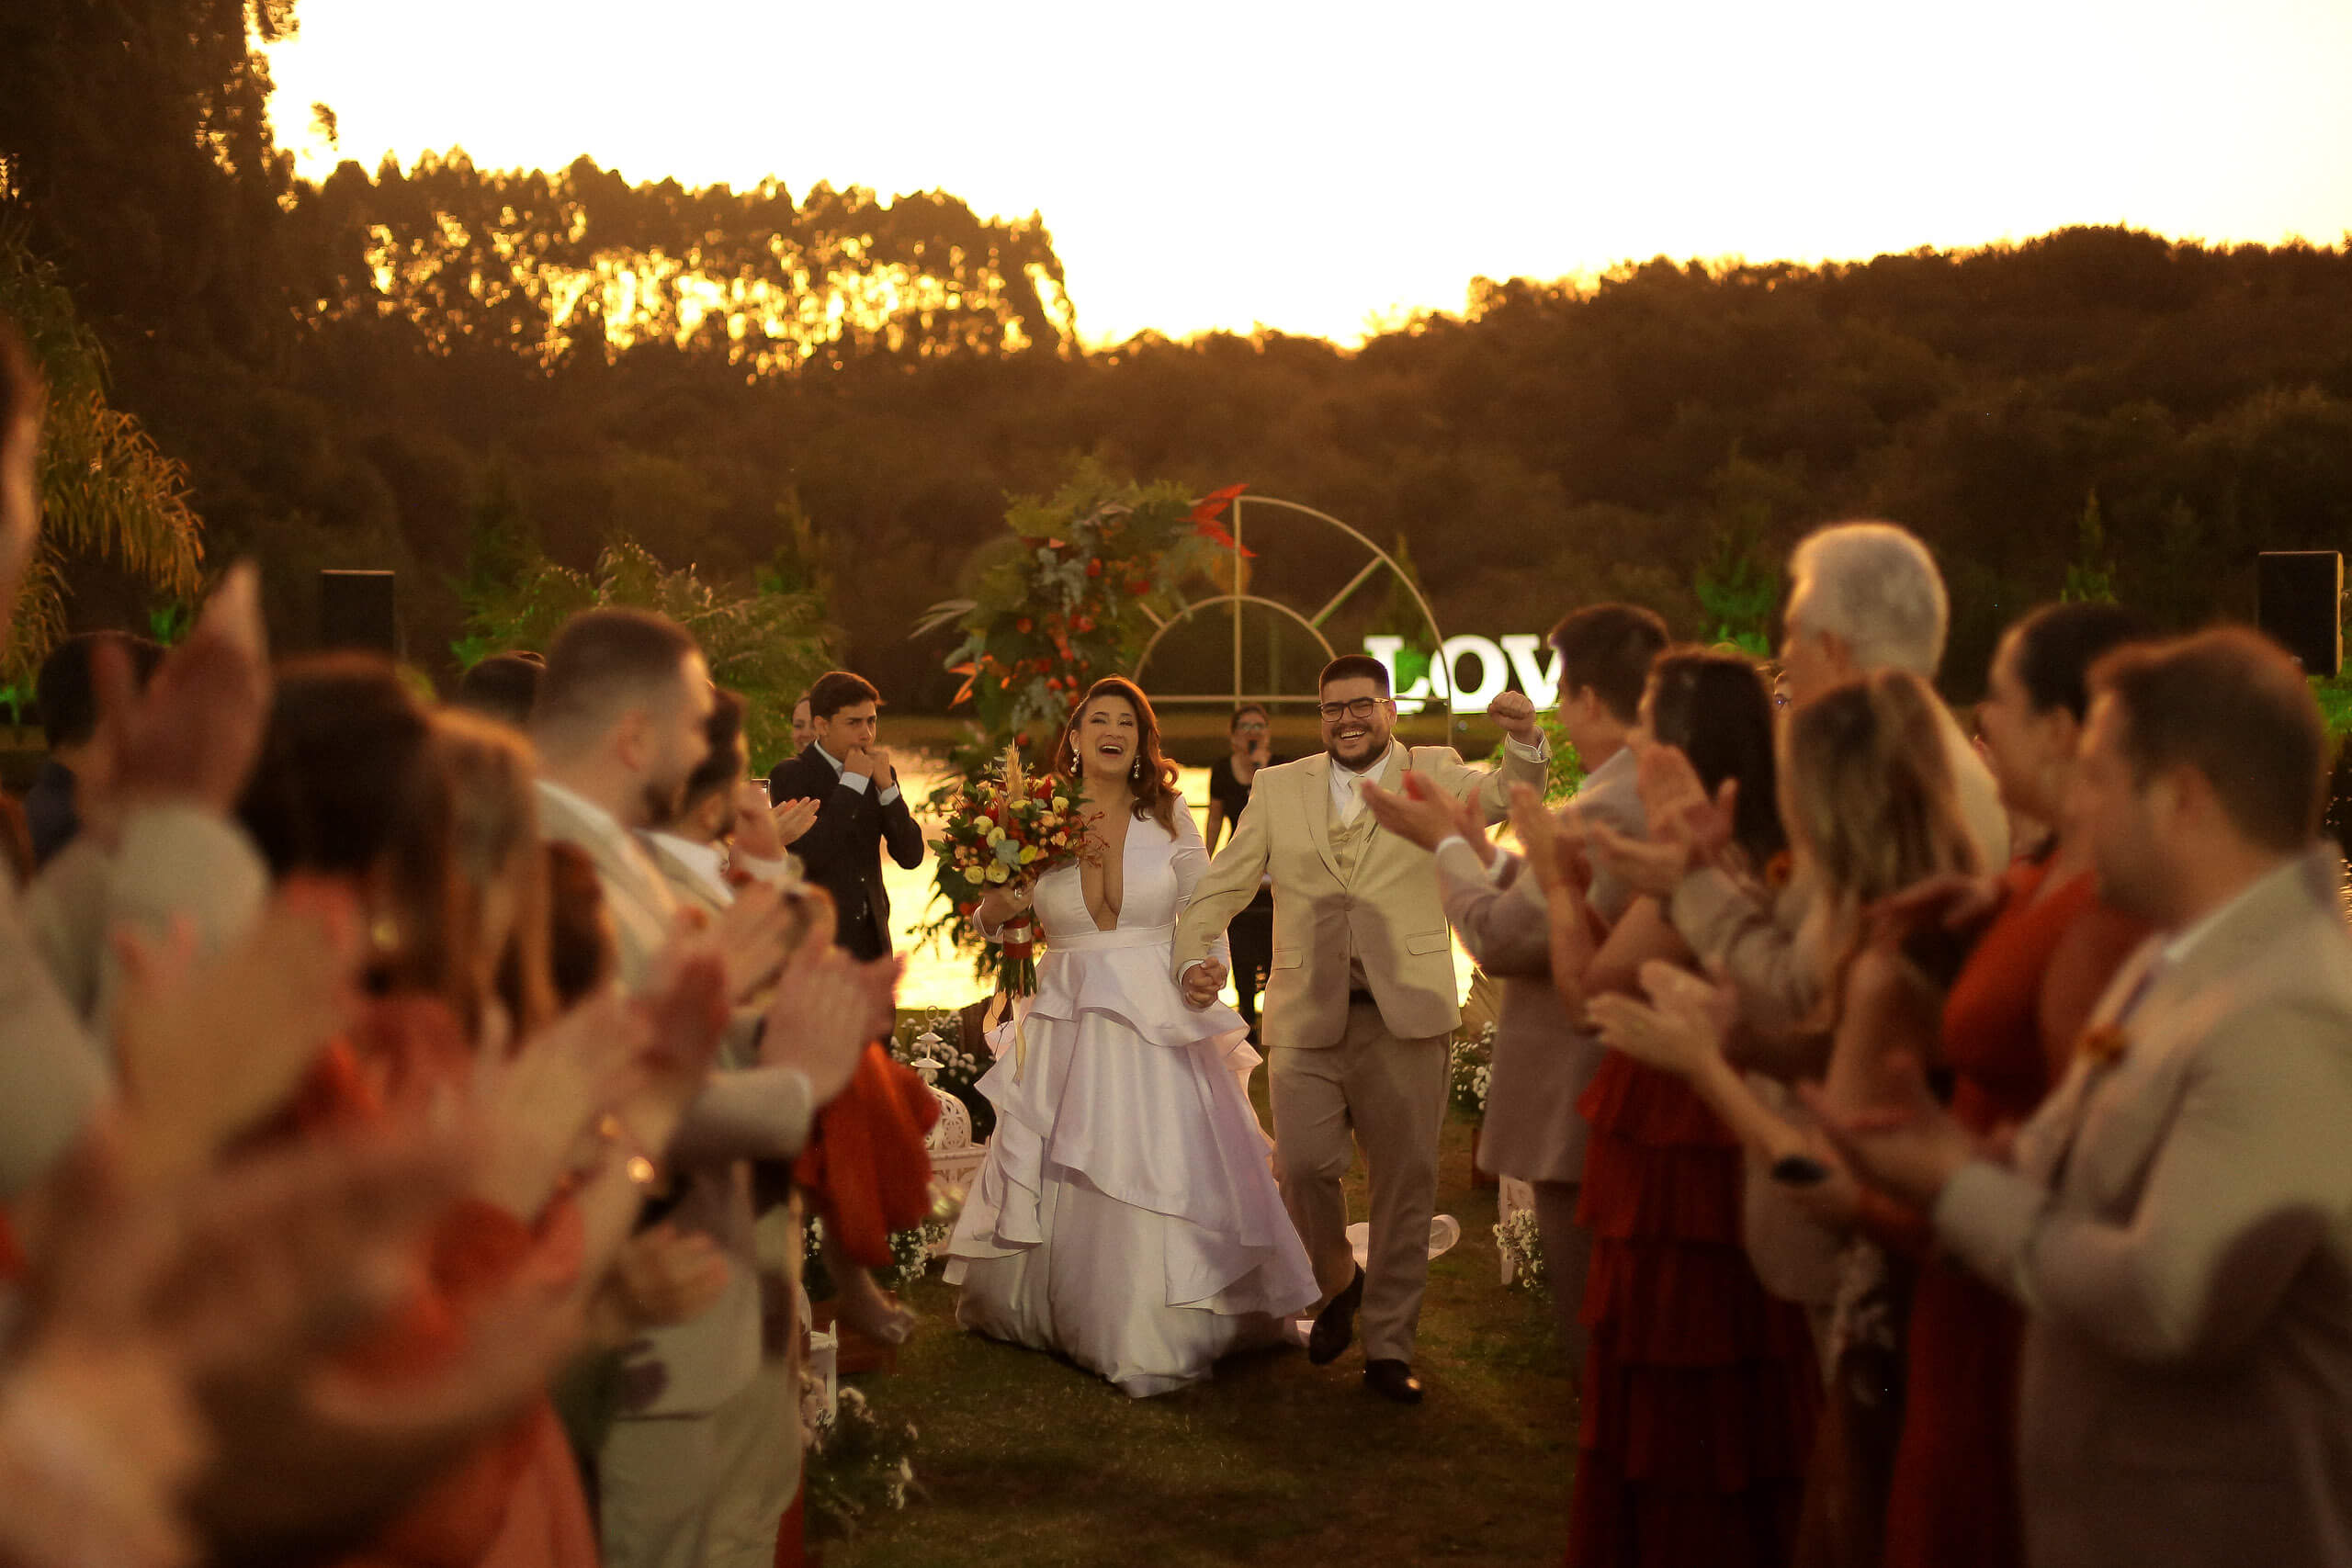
<point>999,830</point>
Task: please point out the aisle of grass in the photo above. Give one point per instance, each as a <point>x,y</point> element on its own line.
<point>1031,1463</point>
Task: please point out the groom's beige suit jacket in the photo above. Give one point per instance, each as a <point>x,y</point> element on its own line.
<point>2178,1226</point>
<point>1385,910</point>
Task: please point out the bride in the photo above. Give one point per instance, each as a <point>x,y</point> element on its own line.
<point>1125,1215</point>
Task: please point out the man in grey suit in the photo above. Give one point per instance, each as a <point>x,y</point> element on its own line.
<point>2177,1219</point>
<point>1543,1059</point>
<point>700,1468</point>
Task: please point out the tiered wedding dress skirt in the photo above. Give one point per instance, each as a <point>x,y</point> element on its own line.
<point>1125,1215</point>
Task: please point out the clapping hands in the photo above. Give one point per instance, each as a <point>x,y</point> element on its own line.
<point>1425,815</point>
<point>764,831</point>
<point>1678,1030</point>
<point>828,1006</point>
<point>1555,845</point>
<point>208,1047</point>
<point>1905,1141</point>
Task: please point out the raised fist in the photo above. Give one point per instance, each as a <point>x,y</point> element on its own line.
<point>1515,711</point>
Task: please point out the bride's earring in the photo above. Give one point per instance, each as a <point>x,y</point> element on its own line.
<point>1138,769</point>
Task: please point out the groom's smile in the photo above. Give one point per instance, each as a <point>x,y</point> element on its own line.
<point>1358,720</point>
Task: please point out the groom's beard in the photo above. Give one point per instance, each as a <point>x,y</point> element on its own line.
<point>1357,754</point>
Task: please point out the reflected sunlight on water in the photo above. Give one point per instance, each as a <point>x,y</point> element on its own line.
<point>937,976</point>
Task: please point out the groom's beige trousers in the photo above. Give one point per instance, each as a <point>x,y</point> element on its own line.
<point>1391,1094</point>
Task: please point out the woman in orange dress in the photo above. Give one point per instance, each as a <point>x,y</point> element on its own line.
<point>431,821</point>
<point>2009,1024</point>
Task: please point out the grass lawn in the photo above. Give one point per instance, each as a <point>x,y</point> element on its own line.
<point>1030,1462</point>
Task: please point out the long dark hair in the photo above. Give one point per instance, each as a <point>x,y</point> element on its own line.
<point>2057,645</point>
<point>1152,779</point>
<point>357,779</point>
<point>1715,709</point>
<point>348,785</point>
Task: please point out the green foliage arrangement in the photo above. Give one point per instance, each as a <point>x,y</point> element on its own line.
<point>1071,593</point>
<point>761,642</point>
<point>2090,576</point>
<point>1565,772</point>
<point>106,490</point>
<point>2334,696</point>
<point>1736,590</point>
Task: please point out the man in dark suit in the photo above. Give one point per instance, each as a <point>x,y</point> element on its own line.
<point>860,809</point>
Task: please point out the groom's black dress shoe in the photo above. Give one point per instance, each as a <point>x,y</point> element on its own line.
<point>1393,1379</point>
<point>1336,1323</point>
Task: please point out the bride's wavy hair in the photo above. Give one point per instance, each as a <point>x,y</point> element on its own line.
<point>1151,777</point>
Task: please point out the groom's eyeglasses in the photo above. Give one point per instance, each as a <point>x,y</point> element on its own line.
<point>1362,707</point>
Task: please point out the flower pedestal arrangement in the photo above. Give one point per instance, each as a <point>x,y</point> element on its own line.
<point>1469,1068</point>
<point>1518,1247</point>
<point>854,1352</point>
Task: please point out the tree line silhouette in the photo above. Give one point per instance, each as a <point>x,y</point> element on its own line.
<point>367,371</point>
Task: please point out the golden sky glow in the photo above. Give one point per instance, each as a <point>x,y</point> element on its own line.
<point>1319,166</point>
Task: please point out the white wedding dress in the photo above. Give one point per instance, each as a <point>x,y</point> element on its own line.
<point>1125,1215</point>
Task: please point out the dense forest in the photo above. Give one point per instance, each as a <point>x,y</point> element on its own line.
<point>382,368</point>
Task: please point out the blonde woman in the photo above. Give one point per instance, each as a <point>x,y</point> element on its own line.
<point>1867,798</point>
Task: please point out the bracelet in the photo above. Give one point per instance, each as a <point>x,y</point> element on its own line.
<point>642,1171</point>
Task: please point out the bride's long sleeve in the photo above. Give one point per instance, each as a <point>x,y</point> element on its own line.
<point>1190,859</point>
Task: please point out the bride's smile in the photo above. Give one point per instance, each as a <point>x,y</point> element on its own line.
<point>1107,739</point>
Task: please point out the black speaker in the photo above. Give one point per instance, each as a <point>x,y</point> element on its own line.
<point>356,610</point>
<point>2301,602</point>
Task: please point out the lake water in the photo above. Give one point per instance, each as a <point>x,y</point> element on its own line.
<point>939,977</point>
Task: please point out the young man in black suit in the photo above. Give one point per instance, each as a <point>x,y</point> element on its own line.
<point>860,810</point>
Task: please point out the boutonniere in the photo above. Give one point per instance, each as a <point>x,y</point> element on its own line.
<point>2103,1046</point>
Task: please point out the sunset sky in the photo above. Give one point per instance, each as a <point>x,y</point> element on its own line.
<point>1322,167</point>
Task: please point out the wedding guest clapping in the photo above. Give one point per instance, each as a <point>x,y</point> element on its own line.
<point>1865,597</point>
<point>66,693</point>
<point>1869,806</point>
<point>1699,1389</point>
<point>698,1466</point>
<point>860,809</point>
<point>1543,1056</point>
<point>2047,947</point>
<point>2177,1219</point>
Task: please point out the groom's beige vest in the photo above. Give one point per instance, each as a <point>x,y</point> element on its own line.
<point>1356,909</point>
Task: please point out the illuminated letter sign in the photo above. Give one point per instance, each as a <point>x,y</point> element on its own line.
<point>1471,672</point>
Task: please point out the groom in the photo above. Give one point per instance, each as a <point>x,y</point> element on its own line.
<point>1361,999</point>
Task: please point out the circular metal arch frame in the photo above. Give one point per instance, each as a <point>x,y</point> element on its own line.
<point>1381,560</point>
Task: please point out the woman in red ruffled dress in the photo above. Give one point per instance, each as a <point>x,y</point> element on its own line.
<point>1700,1390</point>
